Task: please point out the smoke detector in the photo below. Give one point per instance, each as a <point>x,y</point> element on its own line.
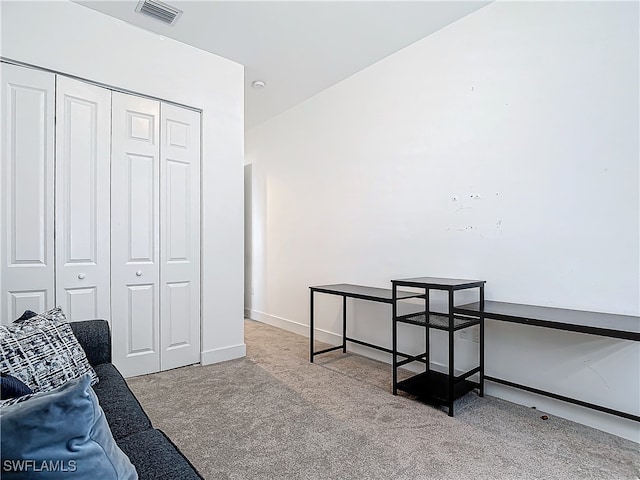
<point>159,10</point>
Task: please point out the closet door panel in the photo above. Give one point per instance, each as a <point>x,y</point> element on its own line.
<point>83,157</point>
<point>26,191</point>
<point>180,236</point>
<point>135,176</point>
<point>141,320</point>
<point>19,301</point>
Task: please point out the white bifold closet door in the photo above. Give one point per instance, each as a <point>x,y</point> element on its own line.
<point>135,234</point>
<point>82,204</point>
<point>155,242</point>
<point>26,191</point>
<point>179,236</point>
<point>100,214</point>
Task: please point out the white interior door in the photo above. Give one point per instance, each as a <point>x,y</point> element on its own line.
<point>82,211</point>
<point>135,294</point>
<point>179,237</point>
<point>26,191</point>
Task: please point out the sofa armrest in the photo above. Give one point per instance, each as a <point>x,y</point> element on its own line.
<point>95,338</point>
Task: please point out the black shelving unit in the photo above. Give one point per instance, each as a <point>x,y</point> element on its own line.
<point>432,386</point>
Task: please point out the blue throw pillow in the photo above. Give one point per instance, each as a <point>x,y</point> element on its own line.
<point>11,387</point>
<point>61,434</point>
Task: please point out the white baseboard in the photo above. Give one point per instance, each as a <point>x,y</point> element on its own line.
<point>283,323</point>
<point>320,335</point>
<point>223,354</point>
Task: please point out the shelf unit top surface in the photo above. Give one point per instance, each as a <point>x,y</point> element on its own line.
<point>434,282</point>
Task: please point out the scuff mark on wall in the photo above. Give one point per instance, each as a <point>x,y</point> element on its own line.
<point>474,211</point>
<point>463,208</point>
<point>598,374</point>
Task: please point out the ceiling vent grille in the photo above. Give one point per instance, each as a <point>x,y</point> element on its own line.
<point>160,11</point>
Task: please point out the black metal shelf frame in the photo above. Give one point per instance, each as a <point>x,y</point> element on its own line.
<point>432,386</point>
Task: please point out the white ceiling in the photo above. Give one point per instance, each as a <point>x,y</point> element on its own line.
<point>297,48</point>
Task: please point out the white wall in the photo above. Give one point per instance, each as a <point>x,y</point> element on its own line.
<point>73,39</point>
<point>533,106</point>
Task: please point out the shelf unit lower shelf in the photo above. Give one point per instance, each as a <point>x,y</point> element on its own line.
<point>432,387</point>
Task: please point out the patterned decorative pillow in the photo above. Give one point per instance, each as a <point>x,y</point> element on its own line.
<point>43,352</point>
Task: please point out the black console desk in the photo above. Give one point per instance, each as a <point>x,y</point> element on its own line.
<point>623,327</point>
<point>360,292</point>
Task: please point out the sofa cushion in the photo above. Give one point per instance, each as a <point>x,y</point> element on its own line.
<point>95,338</point>
<point>121,407</point>
<point>11,387</point>
<point>43,352</point>
<point>156,457</point>
<point>61,434</point>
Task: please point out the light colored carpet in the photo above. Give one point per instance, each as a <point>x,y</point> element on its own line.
<point>275,416</point>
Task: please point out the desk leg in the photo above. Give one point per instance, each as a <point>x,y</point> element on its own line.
<point>394,340</point>
<point>451,354</point>
<point>427,334</point>
<point>482,341</point>
<point>311,328</point>
<point>344,324</point>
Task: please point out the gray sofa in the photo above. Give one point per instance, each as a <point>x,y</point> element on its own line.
<point>149,449</point>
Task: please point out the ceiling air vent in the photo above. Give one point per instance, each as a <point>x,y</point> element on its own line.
<point>159,10</point>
